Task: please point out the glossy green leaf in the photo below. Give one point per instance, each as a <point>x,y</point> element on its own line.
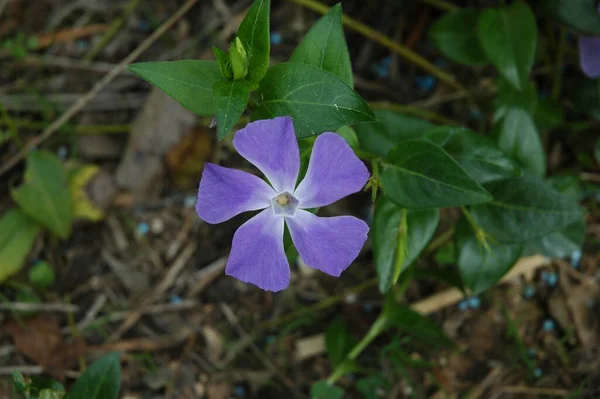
<point>559,244</point>
<point>414,324</point>
<point>42,275</point>
<point>44,194</point>
<point>390,129</point>
<point>509,38</point>
<point>224,63</point>
<point>324,46</point>
<point>419,174</point>
<point>317,100</point>
<point>349,134</point>
<point>254,34</point>
<point>190,82</point>
<point>518,137</point>
<point>338,341</point>
<point>231,99</point>
<point>386,235</point>
<point>482,266</point>
<point>323,390</point>
<point>524,209</point>
<point>455,35</point>
<point>102,380</point>
<point>582,15</point>
<point>478,155</point>
<point>509,98</point>
<point>17,235</point>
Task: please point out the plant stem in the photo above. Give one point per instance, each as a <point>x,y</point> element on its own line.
<point>388,42</point>
<point>442,5</point>
<point>410,110</point>
<point>401,248</point>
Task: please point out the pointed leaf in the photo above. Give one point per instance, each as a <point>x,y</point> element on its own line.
<point>509,38</point>
<point>190,82</point>
<point>481,267</point>
<point>414,324</point>
<point>45,195</point>
<point>559,244</point>
<point>508,98</point>
<point>323,390</point>
<point>455,35</point>
<point>317,100</point>
<point>17,235</point>
<point>338,341</point>
<point>231,99</point>
<point>420,174</point>
<point>324,46</point>
<point>254,34</point>
<point>524,209</point>
<point>420,226</point>
<point>519,138</point>
<point>583,15</point>
<point>478,155</point>
<point>102,380</point>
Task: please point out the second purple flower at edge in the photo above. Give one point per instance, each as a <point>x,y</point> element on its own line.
<point>329,244</point>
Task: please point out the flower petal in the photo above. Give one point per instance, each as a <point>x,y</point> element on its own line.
<point>224,193</point>
<point>328,244</point>
<point>257,255</point>
<point>272,147</point>
<point>589,56</point>
<point>333,173</point>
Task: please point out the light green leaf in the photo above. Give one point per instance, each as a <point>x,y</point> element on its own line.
<point>482,266</point>
<point>509,38</point>
<point>102,380</point>
<point>420,226</point>
<point>455,35</point>
<point>349,134</point>
<point>578,14</point>
<point>524,209</point>
<point>414,324</point>
<point>509,98</point>
<point>323,390</point>
<point>324,46</point>
<point>559,244</point>
<point>231,99</point>
<point>224,63</point>
<point>17,235</point>
<point>42,275</point>
<point>190,82</point>
<point>390,129</point>
<point>317,100</point>
<point>420,174</point>
<point>44,194</point>
<point>519,138</point>
<point>254,34</point>
<point>478,155</point>
<point>338,341</point>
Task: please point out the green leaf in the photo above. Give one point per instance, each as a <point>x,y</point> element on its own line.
<point>414,324</point>
<point>102,380</point>
<point>17,235</point>
<point>579,14</point>
<point>42,275</point>
<point>44,194</point>
<point>317,100</point>
<point>509,38</point>
<point>390,129</point>
<point>190,82</point>
<point>478,155</point>
<point>519,138</point>
<point>338,341</point>
<point>482,265</point>
<point>324,46</point>
<point>51,394</point>
<point>509,98</point>
<point>420,226</point>
<point>559,244</point>
<point>455,35</point>
<point>224,63</point>
<point>322,390</point>
<point>525,208</point>
<point>369,386</point>
<point>231,99</point>
<point>420,174</point>
<point>349,134</point>
<point>254,34</point>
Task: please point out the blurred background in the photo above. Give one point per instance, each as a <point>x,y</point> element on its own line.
<point>139,273</point>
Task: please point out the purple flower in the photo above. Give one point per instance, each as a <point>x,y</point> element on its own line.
<point>589,55</point>
<point>257,253</point>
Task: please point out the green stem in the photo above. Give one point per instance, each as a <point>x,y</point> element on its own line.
<point>470,219</point>
<point>410,110</point>
<point>388,42</point>
<point>401,248</point>
<point>442,5</point>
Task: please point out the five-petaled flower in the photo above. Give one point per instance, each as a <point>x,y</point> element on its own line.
<point>257,254</point>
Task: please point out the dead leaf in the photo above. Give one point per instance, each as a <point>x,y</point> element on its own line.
<point>186,159</point>
<point>40,339</point>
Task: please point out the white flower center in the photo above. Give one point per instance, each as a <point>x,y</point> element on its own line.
<point>284,204</point>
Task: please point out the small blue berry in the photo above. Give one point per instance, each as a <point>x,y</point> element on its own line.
<point>189,201</point>
<point>82,45</point>
<point>476,114</point>
<point>548,325</point>
<point>175,299</point>
<point>62,152</point>
<point>537,373</point>
<point>270,339</point>
<point>463,305</point>
<point>386,61</point>
<point>143,228</point>
<point>474,302</point>
<point>532,352</point>
<point>529,291</point>
<point>144,25</point>
<point>381,71</point>
<point>575,258</point>
<point>276,38</point>
<point>368,308</point>
<point>552,279</point>
<point>240,391</point>
<point>425,83</point>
